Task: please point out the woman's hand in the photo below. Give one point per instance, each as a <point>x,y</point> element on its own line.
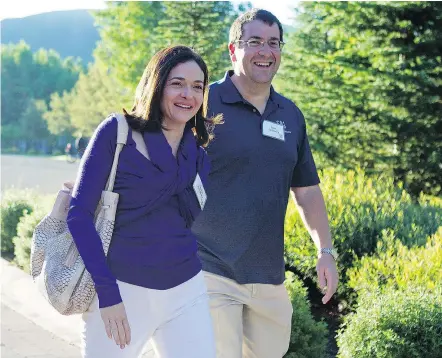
<point>116,324</point>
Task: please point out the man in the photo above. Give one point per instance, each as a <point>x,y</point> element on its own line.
<point>259,154</point>
<point>80,145</point>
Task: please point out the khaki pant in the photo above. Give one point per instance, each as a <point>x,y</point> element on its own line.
<point>250,321</point>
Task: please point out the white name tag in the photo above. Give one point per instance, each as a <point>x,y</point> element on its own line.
<point>198,187</point>
<point>273,130</point>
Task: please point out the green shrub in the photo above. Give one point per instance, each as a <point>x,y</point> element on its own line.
<point>22,242</point>
<point>397,266</point>
<point>308,337</point>
<point>428,200</point>
<point>10,217</point>
<point>395,324</point>
<point>14,204</point>
<point>360,208</point>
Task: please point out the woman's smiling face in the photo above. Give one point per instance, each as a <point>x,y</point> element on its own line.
<point>183,94</point>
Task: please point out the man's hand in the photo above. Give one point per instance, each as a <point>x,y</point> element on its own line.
<point>327,276</point>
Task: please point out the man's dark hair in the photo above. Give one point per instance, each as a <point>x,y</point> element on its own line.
<point>236,30</point>
<point>146,112</point>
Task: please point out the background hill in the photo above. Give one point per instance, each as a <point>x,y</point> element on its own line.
<point>70,33</point>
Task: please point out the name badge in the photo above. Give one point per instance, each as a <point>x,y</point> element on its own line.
<point>198,187</point>
<point>273,130</point>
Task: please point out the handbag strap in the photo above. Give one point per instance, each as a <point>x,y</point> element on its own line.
<point>122,133</point>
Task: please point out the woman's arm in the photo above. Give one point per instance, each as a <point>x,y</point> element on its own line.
<point>92,177</point>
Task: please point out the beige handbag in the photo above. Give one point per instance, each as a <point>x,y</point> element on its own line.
<point>56,266</point>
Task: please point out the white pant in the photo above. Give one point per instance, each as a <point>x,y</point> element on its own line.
<point>177,323</point>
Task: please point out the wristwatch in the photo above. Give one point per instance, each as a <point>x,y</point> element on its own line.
<point>329,251</point>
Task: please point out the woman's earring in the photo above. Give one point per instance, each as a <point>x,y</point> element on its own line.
<point>195,120</point>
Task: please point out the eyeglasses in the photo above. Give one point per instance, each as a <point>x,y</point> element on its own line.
<point>255,43</point>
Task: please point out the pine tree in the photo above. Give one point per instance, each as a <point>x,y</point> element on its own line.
<point>202,25</point>
<point>367,77</point>
<point>128,38</point>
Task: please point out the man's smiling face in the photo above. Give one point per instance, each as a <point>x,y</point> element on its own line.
<point>261,63</point>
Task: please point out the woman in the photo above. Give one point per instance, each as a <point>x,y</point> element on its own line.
<point>150,285</point>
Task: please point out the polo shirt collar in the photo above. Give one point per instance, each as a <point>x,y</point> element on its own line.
<point>230,94</point>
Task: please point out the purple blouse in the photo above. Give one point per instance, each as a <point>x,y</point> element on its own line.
<point>152,244</point>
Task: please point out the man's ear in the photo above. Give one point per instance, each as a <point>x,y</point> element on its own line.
<point>232,52</point>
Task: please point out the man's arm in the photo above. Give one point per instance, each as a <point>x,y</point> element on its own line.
<point>311,206</point>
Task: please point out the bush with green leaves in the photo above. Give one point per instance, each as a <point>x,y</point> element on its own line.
<point>360,208</point>
<point>22,242</point>
<point>395,324</point>
<point>308,337</point>
<point>396,266</point>
<point>15,203</point>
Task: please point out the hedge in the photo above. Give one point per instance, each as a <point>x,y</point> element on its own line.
<point>14,204</point>
<point>397,266</point>
<point>22,242</point>
<point>360,208</point>
<point>395,324</point>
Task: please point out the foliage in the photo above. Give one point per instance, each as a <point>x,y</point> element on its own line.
<point>14,204</point>
<point>57,117</point>
<point>16,89</point>
<point>95,95</point>
<point>28,80</point>
<point>127,43</point>
<point>93,98</point>
<point>367,77</point>
<point>360,208</point>
<point>131,33</point>
<point>128,38</point>
<point>404,324</point>
<point>22,242</point>
<point>10,217</point>
<point>202,25</point>
<point>308,338</point>
<point>32,125</point>
<point>397,266</point>
<point>27,76</point>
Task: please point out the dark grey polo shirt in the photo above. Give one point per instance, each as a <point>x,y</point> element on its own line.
<point>241,229</point>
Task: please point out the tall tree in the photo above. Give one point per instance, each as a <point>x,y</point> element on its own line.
<point>52,74</point>
<point>128,38</point>
<point>367,76</point>
<point>16,84</point>
<point>202,25</point>
<point>27,78</point>
<point>31,122</point>
<point>57,117</point>
<point>94,97</point>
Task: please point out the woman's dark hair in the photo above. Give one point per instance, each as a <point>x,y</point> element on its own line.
<point>146,112</point>
<point>236,30</point>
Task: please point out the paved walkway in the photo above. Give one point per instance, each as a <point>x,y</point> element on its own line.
<point>21,338</point>
<point>30,327</point>
<point>44,174</point>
